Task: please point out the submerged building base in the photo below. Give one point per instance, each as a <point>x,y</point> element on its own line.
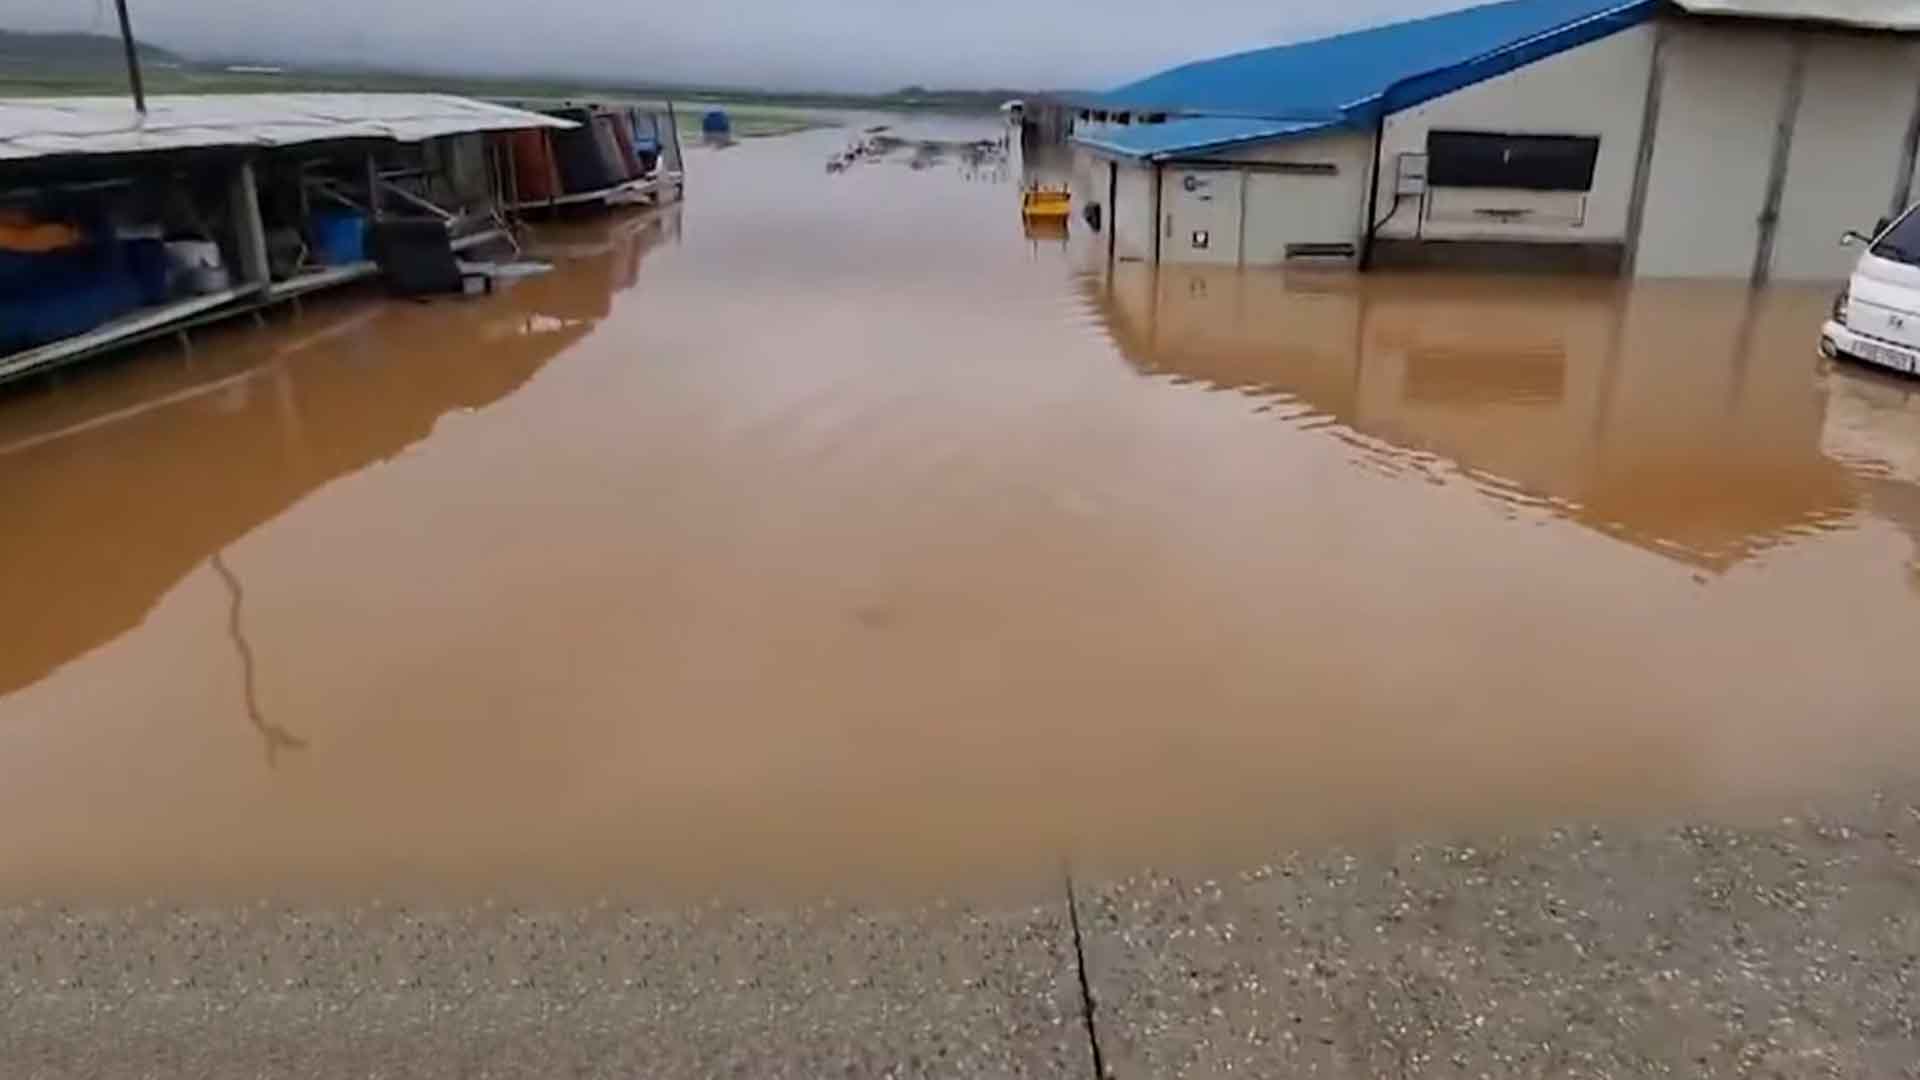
<point>1600,259</point>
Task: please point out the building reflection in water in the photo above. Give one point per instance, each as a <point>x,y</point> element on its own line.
<point>1871,426</point>
<point>1689,419</point>
<point>127,477</point>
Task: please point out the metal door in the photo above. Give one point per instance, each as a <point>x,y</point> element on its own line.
<point>1200,216</point>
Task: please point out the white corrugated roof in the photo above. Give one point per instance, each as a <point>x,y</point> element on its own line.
<point>48,127</point>
<point>1872,14</point>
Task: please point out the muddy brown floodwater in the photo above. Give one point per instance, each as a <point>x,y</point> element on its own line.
<point>827,532</point>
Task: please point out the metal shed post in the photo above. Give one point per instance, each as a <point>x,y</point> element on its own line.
<point>249,231</point>
<point>1782,153</point>
<point>678,164</point>
<point>373,189</point>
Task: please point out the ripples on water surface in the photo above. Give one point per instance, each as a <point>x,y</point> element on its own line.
<point>829,531</point>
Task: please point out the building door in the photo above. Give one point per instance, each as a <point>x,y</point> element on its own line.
<point>1721,96</point>
<point>1200,216</point>
<point>1844,163</point>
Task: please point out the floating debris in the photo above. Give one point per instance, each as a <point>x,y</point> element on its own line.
<point>920,154</point>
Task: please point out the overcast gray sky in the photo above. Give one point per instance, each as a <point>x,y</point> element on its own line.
<point>799,44</point>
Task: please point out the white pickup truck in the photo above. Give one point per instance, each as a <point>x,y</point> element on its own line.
<point>1877,317</point>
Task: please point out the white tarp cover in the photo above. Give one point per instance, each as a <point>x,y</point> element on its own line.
<point>1875,14</point>
<point>50,127</point>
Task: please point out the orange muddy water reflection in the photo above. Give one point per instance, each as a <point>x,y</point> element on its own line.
<point>829,531</point>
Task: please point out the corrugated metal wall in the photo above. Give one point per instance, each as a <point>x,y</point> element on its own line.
<point>1751,113</point>
<point>1848,141</point>
<point>1721,94</point>
<point>1133,213</point>
<point>1595,90</point>
<point>1293,208</point>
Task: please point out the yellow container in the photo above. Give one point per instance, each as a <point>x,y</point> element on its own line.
<point>1045,204</point>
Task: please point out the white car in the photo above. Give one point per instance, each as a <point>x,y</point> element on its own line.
<point>1877,317</point>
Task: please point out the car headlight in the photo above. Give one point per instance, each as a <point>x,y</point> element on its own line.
<point>1840,306</point>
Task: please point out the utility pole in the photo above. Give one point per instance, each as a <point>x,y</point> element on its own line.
<point>133,58</point>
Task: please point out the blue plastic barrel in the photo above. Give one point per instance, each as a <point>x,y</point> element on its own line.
<point>646,133</point>
<point>73,292</point>
<point>339,236</point>
<point>716,122</point>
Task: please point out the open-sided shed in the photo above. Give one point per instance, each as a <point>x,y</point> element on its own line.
<point>117,225</point>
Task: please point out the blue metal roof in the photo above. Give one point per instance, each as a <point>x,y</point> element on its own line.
<point>1193,134</point>
<point>1352,79</point>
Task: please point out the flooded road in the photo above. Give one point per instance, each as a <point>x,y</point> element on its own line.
<point>828,532</point>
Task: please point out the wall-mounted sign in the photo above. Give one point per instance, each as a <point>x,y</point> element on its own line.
<point>1199,187</point>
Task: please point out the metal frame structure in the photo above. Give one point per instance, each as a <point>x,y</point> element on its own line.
<point>60,134</point>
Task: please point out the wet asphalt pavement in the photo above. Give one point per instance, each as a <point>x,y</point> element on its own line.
<point>1697,950</point>
<point>1691,950</point>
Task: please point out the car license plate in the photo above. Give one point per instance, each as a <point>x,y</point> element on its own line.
<point>1898,359</point>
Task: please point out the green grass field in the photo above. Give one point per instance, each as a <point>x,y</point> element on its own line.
<point>752,121</point>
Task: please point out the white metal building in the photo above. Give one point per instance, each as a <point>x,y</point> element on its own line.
<point>1681,138</point>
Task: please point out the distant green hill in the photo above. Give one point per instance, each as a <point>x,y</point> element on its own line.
<point>72,52</point>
